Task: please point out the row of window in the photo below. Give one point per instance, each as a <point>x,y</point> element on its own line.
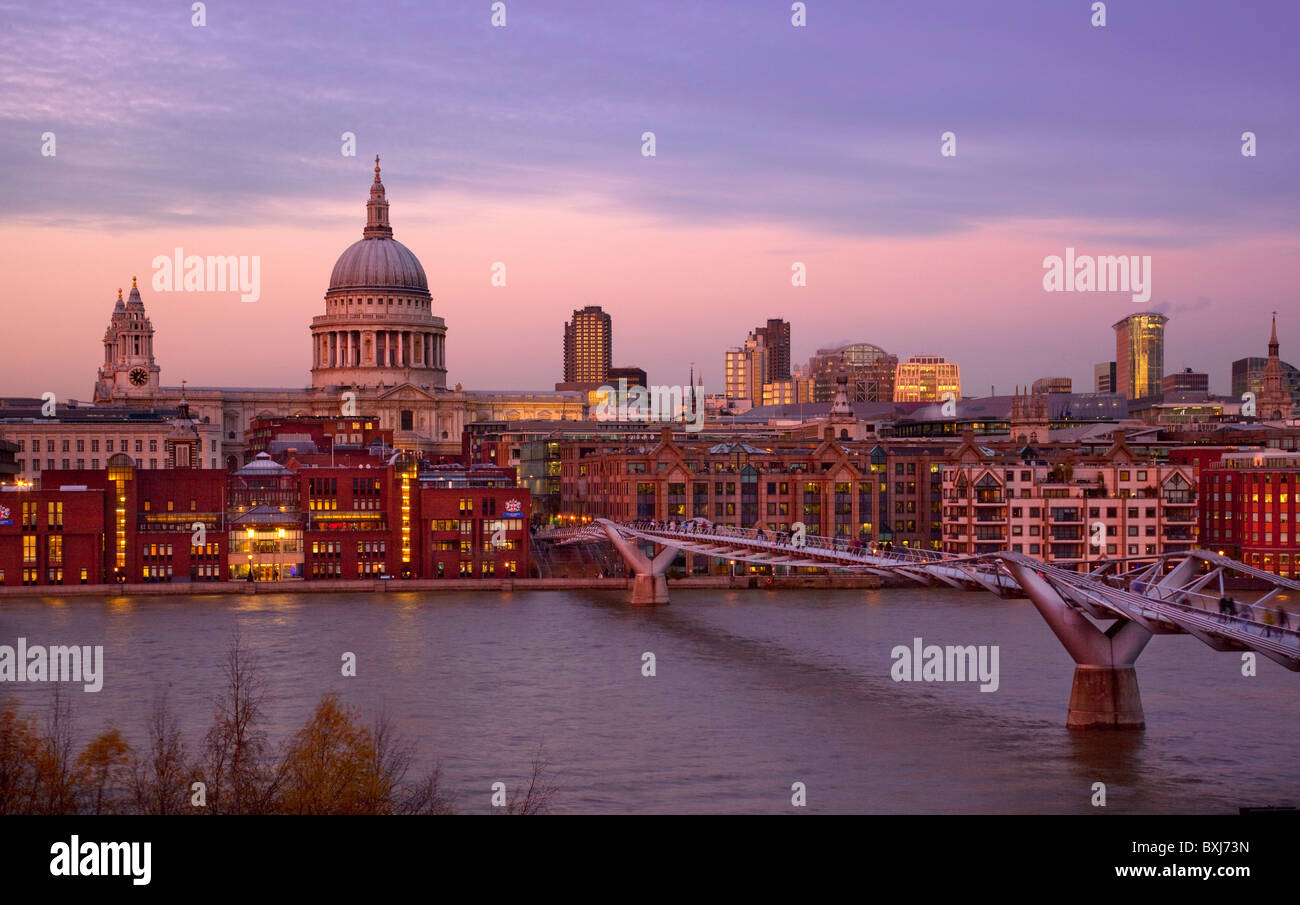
<point>66,464</point>
<point>109,445</point>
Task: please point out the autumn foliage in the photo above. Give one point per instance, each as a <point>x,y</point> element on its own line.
<point>334,764</point>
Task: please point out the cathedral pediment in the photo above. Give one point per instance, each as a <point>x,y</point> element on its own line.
<point>406,392</point>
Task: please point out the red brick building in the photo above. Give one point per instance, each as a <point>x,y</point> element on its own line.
<point>403,518</point>
<point>51,536</point>
<point>1248,509</point>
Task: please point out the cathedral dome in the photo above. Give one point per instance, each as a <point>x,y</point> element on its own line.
<point>378,261</point>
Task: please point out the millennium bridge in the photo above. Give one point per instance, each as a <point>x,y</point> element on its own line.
<point>1104,618</point>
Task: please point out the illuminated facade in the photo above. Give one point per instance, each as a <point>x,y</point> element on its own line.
<point>588,345</point>
<point>926,378</point>
<point>869,370</point>
<point>1249,509</point>
<point>1140,354</point>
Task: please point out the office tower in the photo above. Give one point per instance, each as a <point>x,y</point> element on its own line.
<point>925,378</point>
<point>1140,354</point>
<point>1103,376</point>
<point>1186,381</point>
<point>588,339</point>
<point>869,371</point>
<point>1052,385</point>
<point>775,337</point>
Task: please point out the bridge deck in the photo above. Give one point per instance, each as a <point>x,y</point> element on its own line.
<point>1143,594</point>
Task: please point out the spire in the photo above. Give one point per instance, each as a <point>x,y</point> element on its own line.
<point>377,225</point>
<point>1272,340</point>
<point>133,285</point>
<point>119,293</point>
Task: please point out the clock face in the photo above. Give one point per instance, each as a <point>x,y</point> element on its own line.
<point>139,377</point>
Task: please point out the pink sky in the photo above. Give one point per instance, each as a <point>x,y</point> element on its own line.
<point>676,294</point>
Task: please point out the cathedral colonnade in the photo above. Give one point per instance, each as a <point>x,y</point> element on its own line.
<point>380,348</point>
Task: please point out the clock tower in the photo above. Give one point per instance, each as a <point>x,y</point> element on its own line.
<point>129,368</point>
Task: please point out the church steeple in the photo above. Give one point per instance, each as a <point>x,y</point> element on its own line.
<point>1274,402</point>
<point>377,225</point>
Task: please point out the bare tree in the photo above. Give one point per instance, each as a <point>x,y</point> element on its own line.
<point>56,793</point>
<point>542,788</point>
<point>19,750</point>
<point>159,781</point>
<point>426,796</point>
<point>237,772</point>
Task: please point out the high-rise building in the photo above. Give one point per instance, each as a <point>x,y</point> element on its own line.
<point>635,377</point>
<point>1103,377</point>
<point>926,378</point>
<point>588,341</point>
<point>775,337</point>
<point>1274,400</point>
<point>1140,354</point>
<point>869,371</point>
<point>747,368</point>
<point>1248,377</point>
<point>1052,385</point>
<point>1186,381</point>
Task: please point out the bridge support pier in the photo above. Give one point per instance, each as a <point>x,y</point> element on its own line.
<point>650,584</point>
<point>1105,691</point>
<point>1105,697</point>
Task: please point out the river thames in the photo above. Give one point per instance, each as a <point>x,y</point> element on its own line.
<point>753,691</point>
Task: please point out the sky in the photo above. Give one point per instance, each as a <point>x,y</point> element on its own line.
<point>774,145</point>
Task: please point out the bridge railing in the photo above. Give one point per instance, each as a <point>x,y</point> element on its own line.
<point>838,548</point>
<point>1261,617</point>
